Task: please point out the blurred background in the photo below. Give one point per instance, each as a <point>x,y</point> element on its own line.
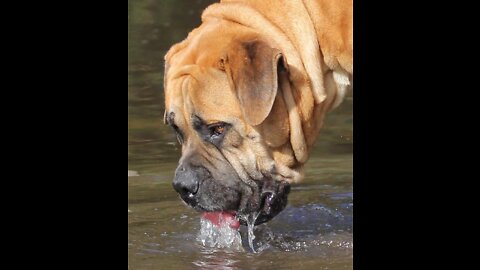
<point>160,225</point>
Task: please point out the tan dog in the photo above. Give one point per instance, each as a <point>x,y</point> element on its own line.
<point>247,92</point>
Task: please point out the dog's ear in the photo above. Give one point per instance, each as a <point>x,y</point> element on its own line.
<point>252,68</point>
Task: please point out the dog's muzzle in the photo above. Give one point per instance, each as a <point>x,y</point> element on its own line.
<point>199,190</point>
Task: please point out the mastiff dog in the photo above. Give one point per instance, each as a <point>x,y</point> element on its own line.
<point>247,92</point>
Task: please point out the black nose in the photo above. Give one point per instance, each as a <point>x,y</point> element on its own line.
<point>185,181</point>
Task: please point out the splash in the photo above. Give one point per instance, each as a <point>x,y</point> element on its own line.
<point>222,236</point>
<point>250,219</point>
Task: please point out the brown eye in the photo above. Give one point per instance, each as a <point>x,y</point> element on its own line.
<point>219,129</point>
<point>216,129</point>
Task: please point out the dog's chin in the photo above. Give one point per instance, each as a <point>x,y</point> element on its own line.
<point>271,199</point>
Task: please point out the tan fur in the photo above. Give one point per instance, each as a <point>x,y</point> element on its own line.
<point>228,68</point>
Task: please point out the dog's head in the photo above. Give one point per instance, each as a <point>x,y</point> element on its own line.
<point>223,101</point>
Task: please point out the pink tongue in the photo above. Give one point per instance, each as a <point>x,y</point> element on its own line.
<point>220,218</point>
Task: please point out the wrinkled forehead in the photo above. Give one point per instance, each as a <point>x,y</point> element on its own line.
<point>205,93</point>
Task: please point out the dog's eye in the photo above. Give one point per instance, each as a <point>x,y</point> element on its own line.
<point>217,129</point>
<point>213,133</point>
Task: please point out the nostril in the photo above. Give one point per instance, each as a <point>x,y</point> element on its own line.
<point>185,186</point>
<point>185,191</point>
<point>187,179</point>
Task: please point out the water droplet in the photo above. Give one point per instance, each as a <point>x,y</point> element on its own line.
<point>222,236</point>
<point>251,218</point>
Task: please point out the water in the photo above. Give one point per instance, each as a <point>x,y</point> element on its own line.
<point>222,236</point>
<point>313,232</point>
<point>250,219</point>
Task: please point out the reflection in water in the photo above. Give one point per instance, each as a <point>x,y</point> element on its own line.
<point>313,232</point>
<point>217,260</point>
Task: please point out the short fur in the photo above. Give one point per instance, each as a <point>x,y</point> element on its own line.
<point>271,69</point>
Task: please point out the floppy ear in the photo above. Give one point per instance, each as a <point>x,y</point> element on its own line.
<point>252,68</point>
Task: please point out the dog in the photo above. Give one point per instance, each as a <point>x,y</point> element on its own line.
<point>246,94</point>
